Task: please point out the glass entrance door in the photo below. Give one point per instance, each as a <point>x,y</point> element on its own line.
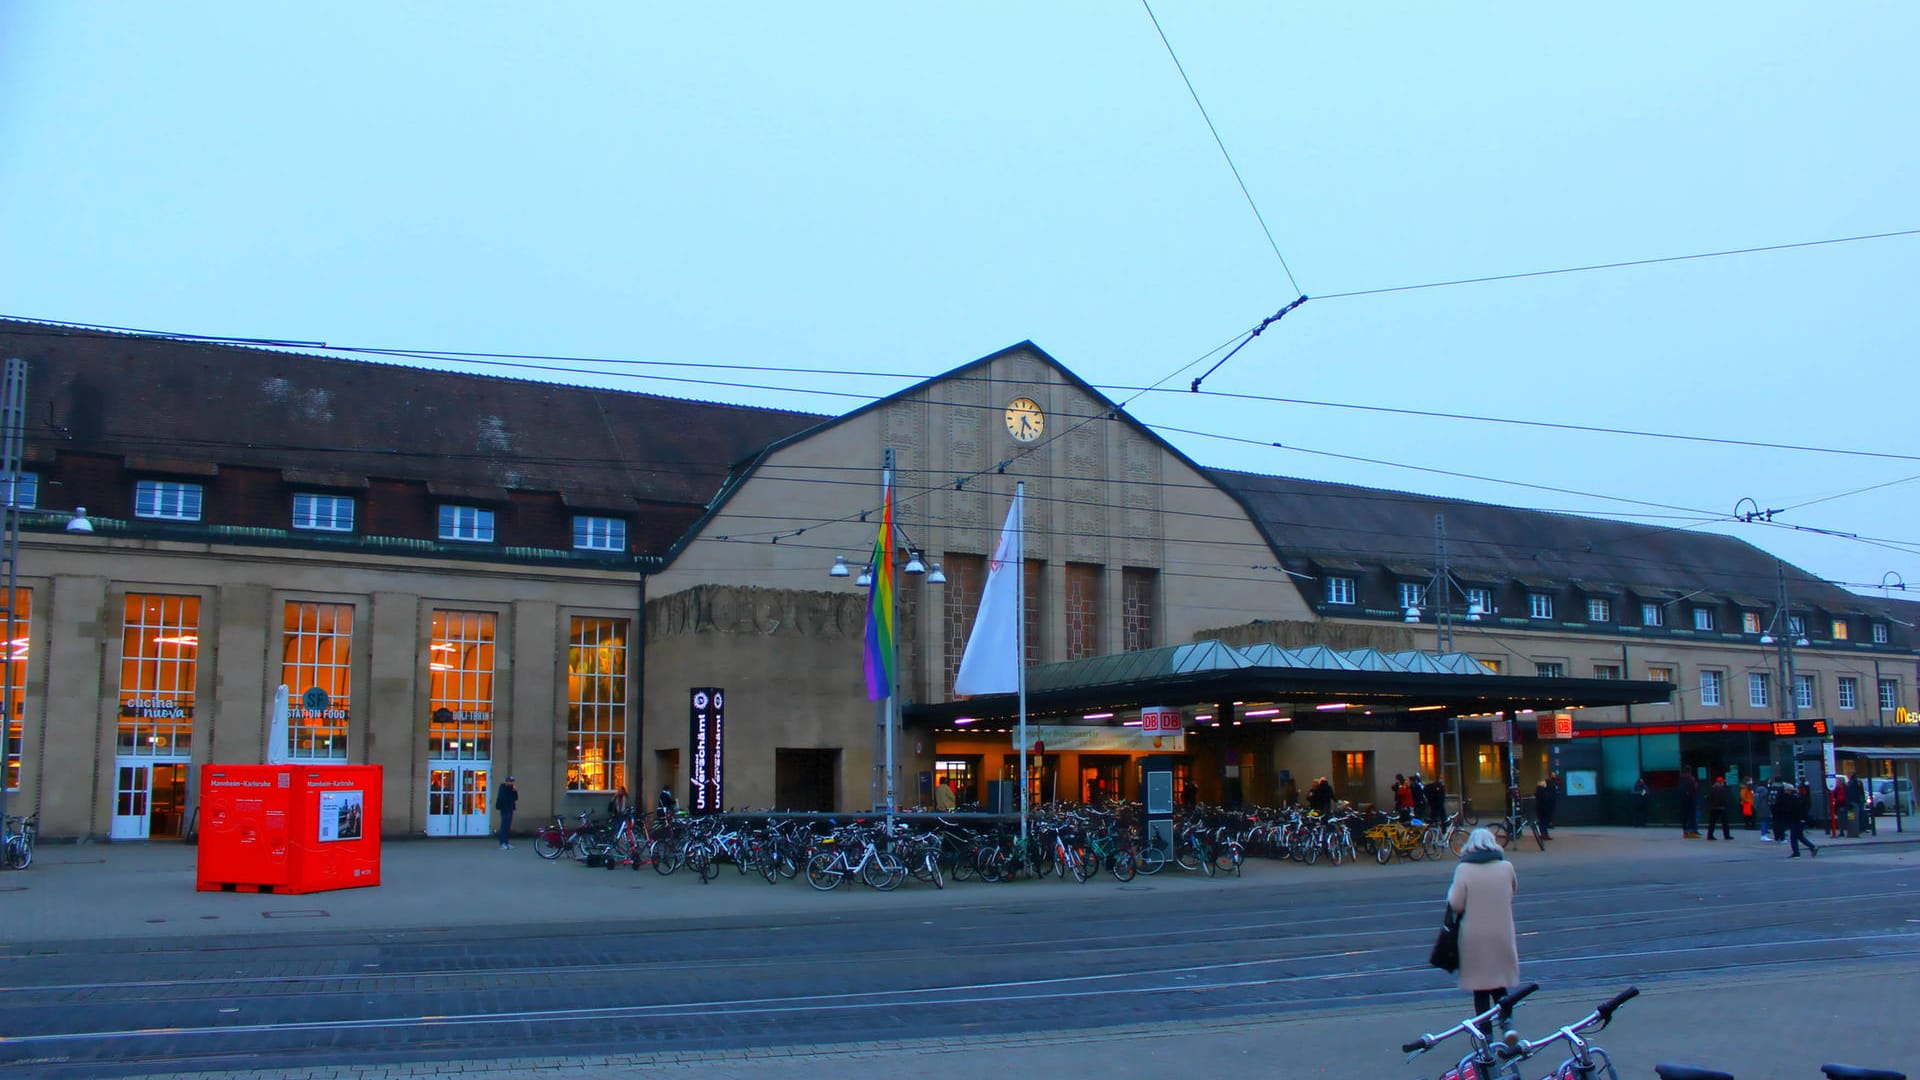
<point>457,799</point>
<point>132,794</point>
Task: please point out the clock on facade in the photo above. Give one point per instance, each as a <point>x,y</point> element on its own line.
<point>1025,421</point>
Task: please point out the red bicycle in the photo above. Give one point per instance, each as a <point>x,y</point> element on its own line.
<point>556,837</point>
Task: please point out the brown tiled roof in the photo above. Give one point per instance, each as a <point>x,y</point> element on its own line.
<point>155,400</point>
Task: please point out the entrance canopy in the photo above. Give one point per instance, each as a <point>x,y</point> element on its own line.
<point>1886,753</point>
<point>1315,681</point>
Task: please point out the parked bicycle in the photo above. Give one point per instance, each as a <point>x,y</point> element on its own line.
<point>1585,1061</point>
<point>19,841</point>
<point>1830,1071</point>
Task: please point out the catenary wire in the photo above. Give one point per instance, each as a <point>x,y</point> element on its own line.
<point>1221,143</point>
<point>1618,265</point>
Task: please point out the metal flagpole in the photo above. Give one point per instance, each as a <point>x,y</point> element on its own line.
<point>1020,642</point>
<point>894,604</point>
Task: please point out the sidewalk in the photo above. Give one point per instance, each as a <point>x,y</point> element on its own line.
<point>146,890</point>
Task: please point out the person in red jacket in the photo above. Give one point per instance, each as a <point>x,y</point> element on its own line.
<point>1403,798</point>
<point>1836,800</point>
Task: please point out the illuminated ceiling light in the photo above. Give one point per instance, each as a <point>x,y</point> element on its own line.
<point>914,565</point>
<point>866,577</point>
<point>1204,716</point>
<point>179,639</point>
<point>965,719</point>
<point>1333,706</point>
<point>78,522</point>
<point>1264,712</point>
<point>1425,708</point>
<point>1130,723</point>
<point>840,567</point>
<point>1413,614</point>
<point>437,666</point>
<point>1098,716</point>
<point>935,577</point>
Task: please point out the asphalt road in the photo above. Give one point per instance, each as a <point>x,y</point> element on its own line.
<point>1005,961</point>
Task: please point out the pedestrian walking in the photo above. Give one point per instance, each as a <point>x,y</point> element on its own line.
<point>1482,892</point>
<point>1798,805</point>
<point>1746,803</point>
<point>1782,797</point>
<point>1546,799</point>
<point>1719,805</point>
<point>1763,810</point>
<point>505,802</point>
<point>1641,797</point>
<point>1689,806</point>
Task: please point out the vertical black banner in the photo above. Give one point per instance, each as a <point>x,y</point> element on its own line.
<point>706,743</point>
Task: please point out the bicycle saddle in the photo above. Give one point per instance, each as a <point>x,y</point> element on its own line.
<point>1689,1072</point>
<point>1855,1072</point>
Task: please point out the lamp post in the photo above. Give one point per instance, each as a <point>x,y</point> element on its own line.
<point>880,569</point>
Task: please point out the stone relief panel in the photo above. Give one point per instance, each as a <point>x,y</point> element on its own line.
<point>1085,453</point>
<point>904,430</point>
<point>1140,460</point>
<point>968,432</point>
<point>735,609</point>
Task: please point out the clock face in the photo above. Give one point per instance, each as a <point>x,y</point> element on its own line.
<point>1025,421</point>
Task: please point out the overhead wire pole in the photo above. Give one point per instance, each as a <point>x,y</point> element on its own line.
<point>13,409</point>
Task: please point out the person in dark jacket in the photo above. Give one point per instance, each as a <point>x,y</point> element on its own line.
<point>1436,801</point>
<point>1642,796</point>
<point>1857,798</point>
<point>1719,806</point>
<point>1320,797</point>
<point>1546,799</point>
<point>1798,805</point>
<point>1780,797</point>
<point>505,802</point>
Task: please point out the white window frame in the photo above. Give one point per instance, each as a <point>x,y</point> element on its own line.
<point>1796,626</point>
<point>1412,595</point>
<point>1848,695</point>
<point>322,512</point>
<point>1550,669</point>
<point>167,500</point>
<point>1713,685</point>
<point>1599,609</point>
<point>1483,597</point>
<point>1759,690</point>
<point>1539,605</point>
<point>1652,614</point>
<point>1803,686</point>
<point>29,492</point>
<point>1889,695</point>
<point>597,532</point>
<point>1606,671</point>
<point>1879,633</point>
<point>1340,590</point>
<point>1750,622</point>
<point>466,524</point>
<point>1703,619</point>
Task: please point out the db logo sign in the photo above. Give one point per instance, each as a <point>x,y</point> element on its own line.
<point>1157,721</point>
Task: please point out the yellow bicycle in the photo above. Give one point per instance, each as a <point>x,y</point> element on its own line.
<point>1390,838</point>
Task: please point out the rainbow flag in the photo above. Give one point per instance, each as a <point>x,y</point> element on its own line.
<point>880,642</point>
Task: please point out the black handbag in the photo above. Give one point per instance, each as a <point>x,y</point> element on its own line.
<point>1446,947</point>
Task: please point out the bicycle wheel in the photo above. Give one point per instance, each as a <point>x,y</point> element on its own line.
<point>1468,814</point>
<point>1152,861</point>
<point>666,858</point>
<point>1079,865</point>
<point>549,843</point>
<point>1456,840</point>
<point>1227,860</point>
<point>824,873</point>
<point>704,862</point>
<point>1539,837</point>
<point>1502,833</point>
<point>1383,853</point>
<point>965,866</point>
<point>883,871</point>
<point>579,848</point>
<point>933,870</point>
<point>1415,851</point>
<point>1189,858</point>
<point>19,855</point>
<point>1122,866</point>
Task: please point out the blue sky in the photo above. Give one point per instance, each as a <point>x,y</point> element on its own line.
<point>899,189</point>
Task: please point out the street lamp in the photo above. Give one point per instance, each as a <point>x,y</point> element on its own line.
<point>891,538</point>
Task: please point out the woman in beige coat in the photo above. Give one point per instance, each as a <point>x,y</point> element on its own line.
<point>1482,889</point>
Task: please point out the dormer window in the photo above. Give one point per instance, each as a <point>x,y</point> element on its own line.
<point>1340,590</point>
<point>1599,610</point>
<point>1539,606</point>
<point>1652,614</point>
<point>323,513</point>
<point>1749,622</point>
<point>1796,626</point>
<point>466,523</point>
<point>166,500</point>
<point>1412,596</point>
<point>1840,630</point>
<point>599,533</point>
<point>1703,618</point>
<point>1879,633</point>
<point>25,495</point>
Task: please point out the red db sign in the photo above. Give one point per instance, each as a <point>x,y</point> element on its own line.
<point>1156,721</point>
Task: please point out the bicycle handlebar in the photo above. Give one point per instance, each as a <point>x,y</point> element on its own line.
<point>1503,1006</point>
<point>1606,1010</point>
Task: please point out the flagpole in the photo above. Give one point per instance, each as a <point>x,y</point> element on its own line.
<point>886,489</point>
<point>1020,647</point>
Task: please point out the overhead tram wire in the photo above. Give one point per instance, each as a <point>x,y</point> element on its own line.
<point>1619,265</point>
<point>1221,143</point>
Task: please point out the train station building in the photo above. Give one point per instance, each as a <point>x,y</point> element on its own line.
<point>460,577</point>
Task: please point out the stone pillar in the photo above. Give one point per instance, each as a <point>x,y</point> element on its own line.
<point>235,731</point>
<point>79,711</point>
<point>530,736</point>
<point>395,727</point>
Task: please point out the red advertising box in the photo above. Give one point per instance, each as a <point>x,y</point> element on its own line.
<point>288,828</point>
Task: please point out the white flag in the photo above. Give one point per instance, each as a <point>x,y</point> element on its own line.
<point>992,662</point>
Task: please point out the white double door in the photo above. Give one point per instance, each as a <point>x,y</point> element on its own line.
<point>458,802</point>
<point>149,798</point>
